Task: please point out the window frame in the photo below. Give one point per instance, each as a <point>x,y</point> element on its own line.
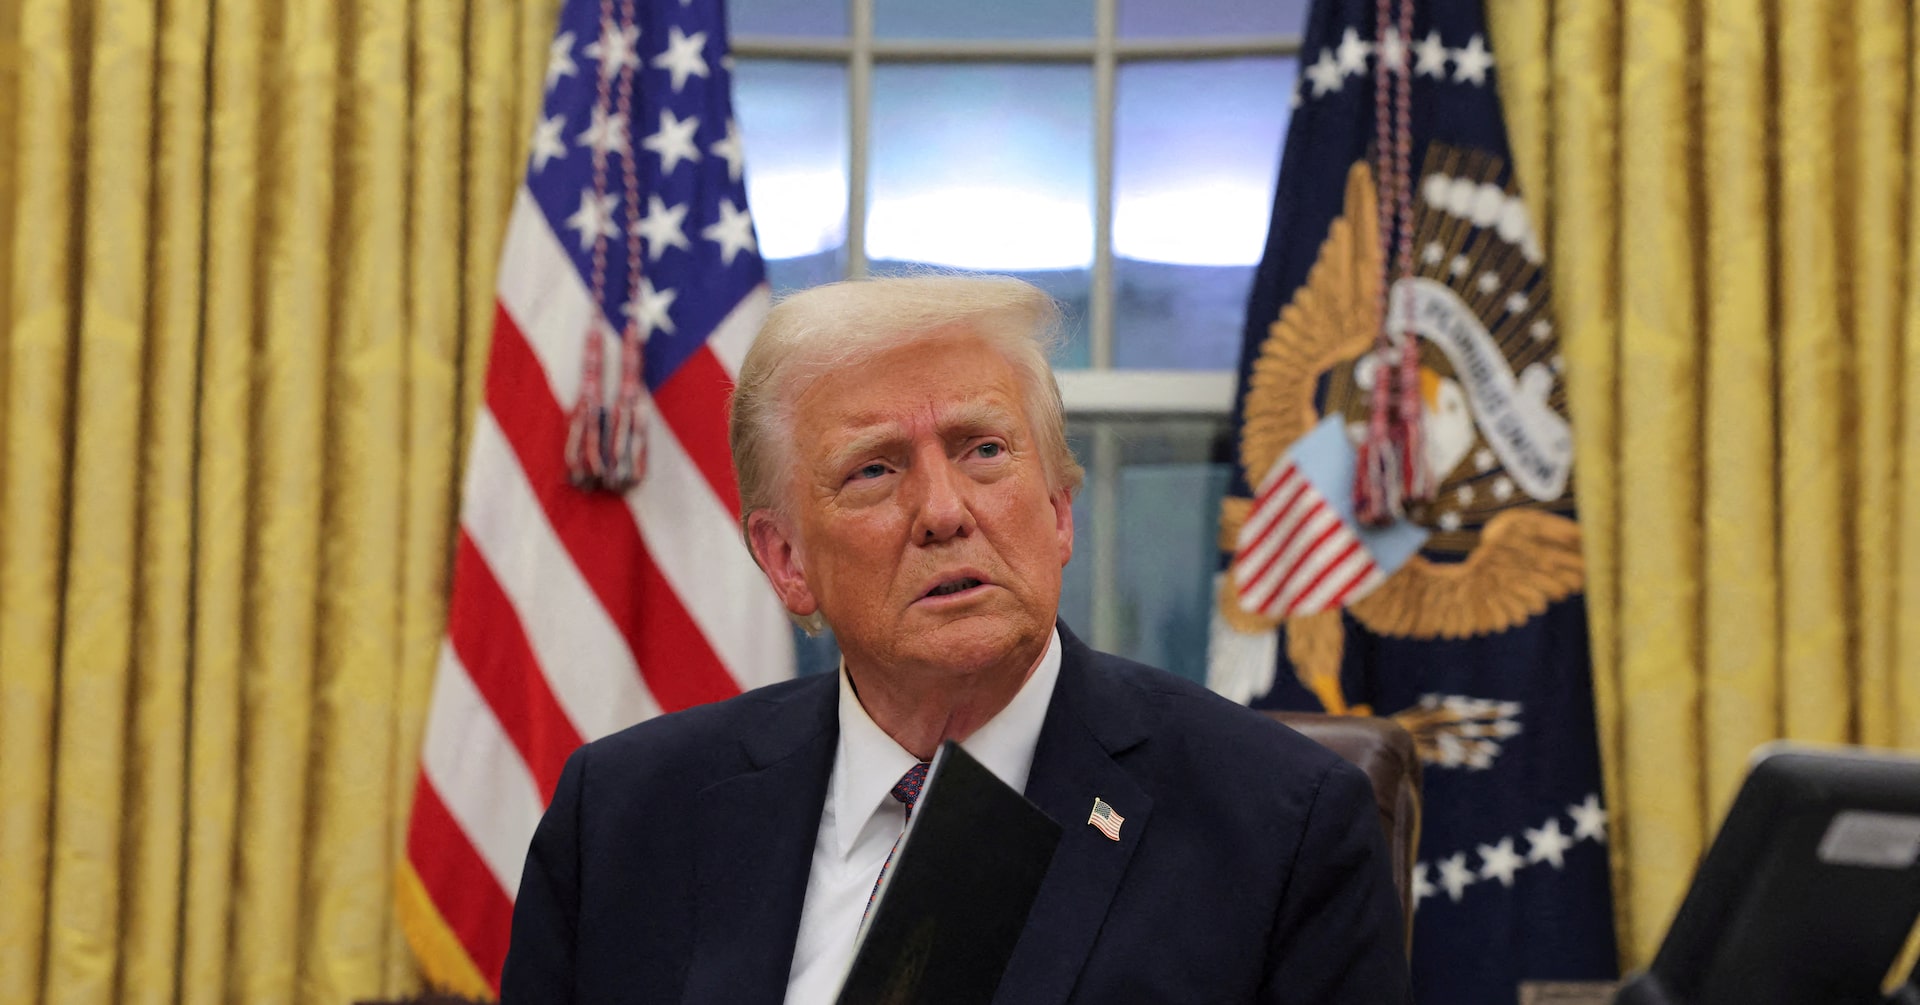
<point>1098,391</point>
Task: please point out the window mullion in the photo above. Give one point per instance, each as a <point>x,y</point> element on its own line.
<point>1100,301</point>
<point>859,134</point>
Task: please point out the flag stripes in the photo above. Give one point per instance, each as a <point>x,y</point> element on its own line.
<point>598,536</point>
<point>1295,555</point>
<point>463,899</point>
<point>486,638</point>
<point>478,778</point>
<point>581,650</point>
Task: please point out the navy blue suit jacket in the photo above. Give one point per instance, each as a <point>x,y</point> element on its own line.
<point>673,861</point>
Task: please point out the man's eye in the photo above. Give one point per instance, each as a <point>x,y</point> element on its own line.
<point>873,470</point>
<point>990,449</point>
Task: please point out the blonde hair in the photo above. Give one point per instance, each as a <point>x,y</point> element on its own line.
<point>842,324</point>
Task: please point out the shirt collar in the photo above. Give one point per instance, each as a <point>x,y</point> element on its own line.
<point>869,762</point>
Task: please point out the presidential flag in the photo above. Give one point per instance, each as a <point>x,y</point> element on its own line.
<point>1404,299</point>
<point>599,576</point>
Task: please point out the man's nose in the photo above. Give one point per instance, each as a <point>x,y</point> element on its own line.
<point>944,511</point>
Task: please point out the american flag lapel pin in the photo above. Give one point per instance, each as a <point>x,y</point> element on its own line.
<point>1105,820</point>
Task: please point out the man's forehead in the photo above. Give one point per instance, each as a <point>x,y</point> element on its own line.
<point>983,412</point>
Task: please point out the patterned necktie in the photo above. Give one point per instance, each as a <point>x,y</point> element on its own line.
<point>907,790</point>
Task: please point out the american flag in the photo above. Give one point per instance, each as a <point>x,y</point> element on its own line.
<point>577,613</point>
<point>1301,551</point>
<point>1105,820</point>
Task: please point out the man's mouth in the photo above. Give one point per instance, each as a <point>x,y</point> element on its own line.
<point>946,589</point>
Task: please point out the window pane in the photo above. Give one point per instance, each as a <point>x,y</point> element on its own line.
<point>1196,152</point>
<point>811,18</point>
<point>983,18</point>
<point>1169,507</point>
<point>989,168</point>
<point>1076,580</point>
<point>1171,18</point>
<point>793,122</point>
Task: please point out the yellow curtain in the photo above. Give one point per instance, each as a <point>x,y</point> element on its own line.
<point>1732,191</point>
<point>246,267</point>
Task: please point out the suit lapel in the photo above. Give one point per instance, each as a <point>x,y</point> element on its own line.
<point>756,833</point>
<point>1089,723</point>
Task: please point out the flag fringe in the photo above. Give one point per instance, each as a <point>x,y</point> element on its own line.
<point>443,961</point>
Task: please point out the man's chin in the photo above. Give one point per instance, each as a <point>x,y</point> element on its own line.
<point>982,643</point>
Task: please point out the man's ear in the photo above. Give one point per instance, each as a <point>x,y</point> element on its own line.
<point>777,548</point>
<point>1062,500</point>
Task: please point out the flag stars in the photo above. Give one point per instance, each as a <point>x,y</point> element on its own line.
<point>1500,862</point>
<point>1430,57</point>
<point>733,233</point>
<point>1517,303</point>
<point>1450,521</point>
<point>1483,460</point>
<point>674,142</point>
<point>1540,330</point>
<point>1325,74</point>
<point>1422,886</point>
<point>663,227</point>
<point>547,144</point>
<point>606,134</point>
<point>594,218</point>
<point>560,59</point>
<point>1488,282</point>
<point>1465,495</point>
<point>616,49</point>
<point>1502,488</point>
<point>1456,876</point>
<point>1548,844</point>
<point>1353,53</point>
<point>1433,253</point>
<point>1393,51</point>
<point>1589,820</point>
<point>730,150</point>
<point>1470,64</point>
<point>649,307</point>
<point>1459,266</point>
<point>683,57</point>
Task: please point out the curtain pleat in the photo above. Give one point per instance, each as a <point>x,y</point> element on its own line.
<point>1905,716</point>
<point>222,493</point>
<point>436,319</point>
<point>1739,658</point>
<point>88,884</point>
<point>298,312</point>
<point>33,495</point>
<point>1873,195</point>
<point>1659,447</point>
<point>1813,347</point>
<point>343,931</point>
<point>156,785</point>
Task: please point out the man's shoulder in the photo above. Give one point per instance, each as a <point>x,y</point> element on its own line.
<point>694,744</point>
<point>1207,725</point>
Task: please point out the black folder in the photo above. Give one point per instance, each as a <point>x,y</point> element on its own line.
<point>956,897</point>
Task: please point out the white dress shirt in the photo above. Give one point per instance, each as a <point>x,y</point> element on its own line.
<point>861,820</point>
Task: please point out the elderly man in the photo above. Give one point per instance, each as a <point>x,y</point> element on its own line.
<point>905,479</point>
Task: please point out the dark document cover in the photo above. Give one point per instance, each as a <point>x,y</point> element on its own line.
<point>956,896</point>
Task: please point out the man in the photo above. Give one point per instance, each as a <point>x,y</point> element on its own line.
<point>905,479</point>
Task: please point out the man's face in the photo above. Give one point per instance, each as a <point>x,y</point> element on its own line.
<point>919,517</point>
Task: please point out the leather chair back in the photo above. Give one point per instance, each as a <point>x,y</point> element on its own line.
<point>1385,751</point>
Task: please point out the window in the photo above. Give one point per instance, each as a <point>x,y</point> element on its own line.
<point>1120,154</point>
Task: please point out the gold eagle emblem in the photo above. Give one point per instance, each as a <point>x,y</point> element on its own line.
<point>1503,545</point>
